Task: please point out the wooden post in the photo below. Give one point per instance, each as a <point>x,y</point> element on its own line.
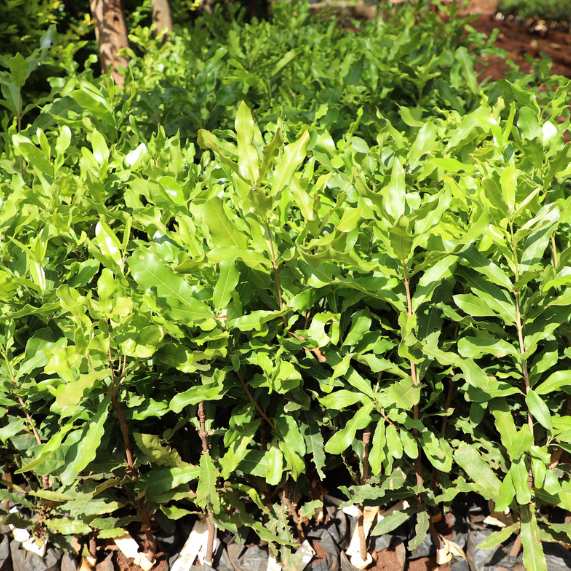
<point>111,34</point>
<point>162,17</point>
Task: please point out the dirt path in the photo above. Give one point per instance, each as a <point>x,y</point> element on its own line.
<point>521,40</point>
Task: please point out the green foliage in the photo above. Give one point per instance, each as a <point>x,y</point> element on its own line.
<point>386,254</point>
<point>25,21</point>
<point>559,10</point>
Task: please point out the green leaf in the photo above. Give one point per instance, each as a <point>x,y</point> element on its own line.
<point>404,394</point>
<point>431,279</point>
<point>224,234</point>
<point>538,409</point>
<point>14,426</point>
<point>226,284</point>
<point>99,146</point>
<point>388,523</point>
<point>149,271</point>
<point>483,343</point>
<point>315,447</point>
<point>520,479</point>
<point>194,395</point>
<point>344,437</point>
<point>498,537</point>
<point>157,453</point>
<point>377,454</point>
<point>86,449</point>
<point>473,305</point>
<point>360,324</point>
<point>66,526</point>
<point>394,443</point>
<point>533,556</point>
<point>108,244</point>
<point>288,162</point>
<point>469,459</point>
<point>516,442</point>
<point>508,184</point>
<point>274,461</point>
<point>394,194</point>
<point>245,134</point>
<point>437,451</point>
<point>206,493</point>
<point>338,400</point>
<point>556,381</point>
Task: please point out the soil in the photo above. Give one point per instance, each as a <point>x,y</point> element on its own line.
<point>524,41</point>
<point>390,559</point>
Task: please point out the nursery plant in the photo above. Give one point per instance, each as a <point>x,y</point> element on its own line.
<point>346,276</point>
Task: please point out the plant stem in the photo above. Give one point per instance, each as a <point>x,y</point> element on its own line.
<point>120,412</point>
<point>205,450</point>
<point>29,419</point>
<point>413,371</point>
<point>366,466</point>
<point>364,478</point>
<point>554,254</point>
<point>116,381</point>
<point>251,398</point>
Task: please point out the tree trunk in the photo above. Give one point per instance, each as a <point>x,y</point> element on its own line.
<point>111,34</point>
<point>162,17</point>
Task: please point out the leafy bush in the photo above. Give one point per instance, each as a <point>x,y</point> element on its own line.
<point>549,9</point>
<point>214,323</point>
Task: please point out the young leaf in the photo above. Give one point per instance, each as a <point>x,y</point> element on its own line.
<point>394,194</point>
<point>108,244</point>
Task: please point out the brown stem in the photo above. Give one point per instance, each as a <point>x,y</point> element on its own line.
<point>362,537</point>
<point>292,509</point>
<point>205,450</point>
<point>29,419</point>
<point>366,465</point>
<point>251,398</point>
<point>516,547</point>
<point>150,545</point>
<point>521,340</point>
<point>316,350</point>
<point>413,371</point>
<point>364,478</point>
<point>202,428</point>
<point>120,413</point>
